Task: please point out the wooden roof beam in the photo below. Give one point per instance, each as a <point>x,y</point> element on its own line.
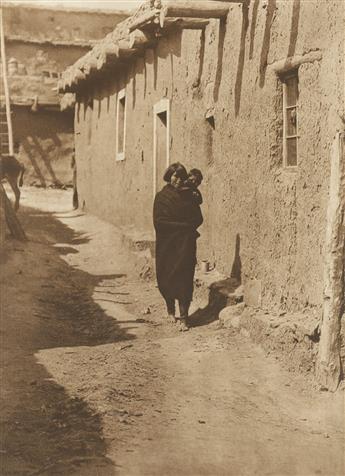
<point>195,9</point>
<point>140,39</point>
<point>186,23</point>
<point>143,20</point>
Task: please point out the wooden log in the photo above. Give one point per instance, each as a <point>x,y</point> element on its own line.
<point>140,39</point>
<point>3,61</point>
<point>91,65</point>
<point>328,370</point>
<point>186,23</point>
<point>78,76</point>
<point>101,61</point>
<point>108,53</point>
<point>2,224</point>
<point>144,19</point>
<point>162,16</point>
<point>110,49</point>
<point>196,9</point>
<point>127,52</point>
<point>68,77</point>
<point>60,86</point>
<point>11,218</point>
<point>282,66</point>
<point>123,44</point>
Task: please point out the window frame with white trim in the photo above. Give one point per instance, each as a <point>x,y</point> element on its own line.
<point>161,107</point>
<point>291,136</point>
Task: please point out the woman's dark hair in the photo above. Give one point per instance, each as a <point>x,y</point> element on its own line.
<point>176,168</point>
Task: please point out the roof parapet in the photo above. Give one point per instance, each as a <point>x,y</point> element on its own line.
<point>138,32</point>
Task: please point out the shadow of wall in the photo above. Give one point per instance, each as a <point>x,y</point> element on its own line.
<point>44,143</point>
<point>45,428</point>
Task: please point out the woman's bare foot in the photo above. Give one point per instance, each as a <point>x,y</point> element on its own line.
<point>183,325</point>
<point>171,319</point>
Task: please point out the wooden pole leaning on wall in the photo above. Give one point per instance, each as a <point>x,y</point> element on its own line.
<point>6,88</point>
<point>328,370</point>
<point>11,218</point>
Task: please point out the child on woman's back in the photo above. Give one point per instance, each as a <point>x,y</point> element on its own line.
<point>192,183</point>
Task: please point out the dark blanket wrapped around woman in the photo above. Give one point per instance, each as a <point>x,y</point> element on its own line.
<point>176,218</point>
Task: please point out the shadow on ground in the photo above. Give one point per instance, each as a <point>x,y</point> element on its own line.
<point>48,304</point>
<point>218,298</point>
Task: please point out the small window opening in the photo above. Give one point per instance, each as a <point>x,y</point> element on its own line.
<point>211,122</point>
<point>210,118</point>
<point>290,119</point>
<point>121,125</point>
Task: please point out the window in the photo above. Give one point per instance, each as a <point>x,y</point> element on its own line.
<point>121,125</point>
<point>161,130</point>
<point>290,119</point>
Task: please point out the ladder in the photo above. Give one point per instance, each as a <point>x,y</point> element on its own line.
<point>6,131</point>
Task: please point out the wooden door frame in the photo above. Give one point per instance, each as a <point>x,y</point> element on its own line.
<point>161,106</point>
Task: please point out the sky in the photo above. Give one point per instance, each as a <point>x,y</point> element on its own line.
<point>99,4</point>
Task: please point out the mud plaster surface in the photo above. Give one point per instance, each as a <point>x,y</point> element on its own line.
<point>272,218</point>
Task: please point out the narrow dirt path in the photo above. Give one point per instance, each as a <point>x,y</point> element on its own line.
<point>95,384</point>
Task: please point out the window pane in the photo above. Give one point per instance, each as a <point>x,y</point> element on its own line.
<point>291,91</point>
<point>291,152</point>
<point>291,122</point>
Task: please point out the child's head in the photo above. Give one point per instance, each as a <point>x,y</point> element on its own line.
<point>195,177</point>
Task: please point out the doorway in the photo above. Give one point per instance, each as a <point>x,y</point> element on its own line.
<point>161,131</point>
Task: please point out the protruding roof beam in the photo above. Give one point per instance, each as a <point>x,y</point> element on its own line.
<point>186,23</point>
<point>144,19</point>
<point>195,9</point>
<point>140,39</point>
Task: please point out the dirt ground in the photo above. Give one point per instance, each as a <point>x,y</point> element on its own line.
<point>94,382</point>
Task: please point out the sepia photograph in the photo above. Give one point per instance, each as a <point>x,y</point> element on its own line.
<point>172,238</point>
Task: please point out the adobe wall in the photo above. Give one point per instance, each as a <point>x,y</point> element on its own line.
<point>261,219</point>
<point>46,141</point>
<point>54,24</point>
<point>40,44</point>
<point>45,39</point>
<point>33,58</point>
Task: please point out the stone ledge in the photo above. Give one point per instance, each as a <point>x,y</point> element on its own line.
<point>290,338</point>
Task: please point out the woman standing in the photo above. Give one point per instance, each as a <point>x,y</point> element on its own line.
<point>176,219</point>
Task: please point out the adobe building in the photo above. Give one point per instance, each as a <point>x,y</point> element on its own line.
<point>251,93</point>
<point>40,43</point>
